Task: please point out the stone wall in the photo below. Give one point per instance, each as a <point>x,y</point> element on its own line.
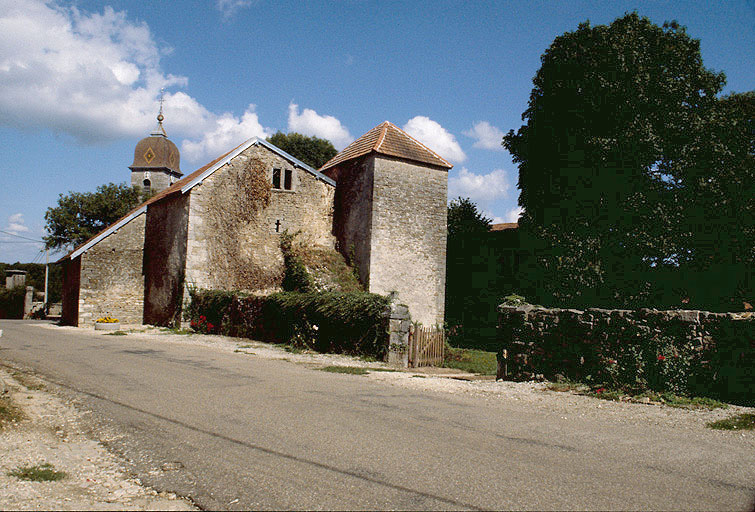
<point>159,180</point>
<point>716,350</point>
<point>408,236</point>
<point>165,260</point>
<point>353,211</point>
<point>308,208</point>
<point>111,280</point>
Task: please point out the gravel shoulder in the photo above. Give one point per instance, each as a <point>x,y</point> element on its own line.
<point>51,432</point>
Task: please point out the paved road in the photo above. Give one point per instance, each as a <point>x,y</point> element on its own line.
<point>253,433</point>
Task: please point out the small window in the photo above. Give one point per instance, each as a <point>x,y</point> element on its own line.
<point>277,178</point>
<point>288,179</point>
<point>147,186</point>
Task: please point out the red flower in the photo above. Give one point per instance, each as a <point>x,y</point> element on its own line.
<point>661,358</point>
<point>193,323</point>
<point>612,361</point>
<point>210,326</point>
<point>600,390</point>
<point>202,318</point>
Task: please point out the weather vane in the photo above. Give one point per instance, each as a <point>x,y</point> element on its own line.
<point>160,116</point>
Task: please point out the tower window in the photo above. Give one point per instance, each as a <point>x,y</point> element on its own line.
<point>147,186</point>
<point>288,179</point>
<point>277,178</point>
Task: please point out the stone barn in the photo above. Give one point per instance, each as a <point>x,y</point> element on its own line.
<point>381,202</point>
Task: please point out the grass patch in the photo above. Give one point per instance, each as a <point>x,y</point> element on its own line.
<point>382,369</point>
<point>744,421</point>
<point>240,351</point>
<point>245,346</point>
<point>175,330</point>
<point>116,333</point>
<point>39,473</point>
<point>30,383</point>
<point>351,370</point>
<point>418,377</point>
<point>480,362</point>
<point>9,413</point>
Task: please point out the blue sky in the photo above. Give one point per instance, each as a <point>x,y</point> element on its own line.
<point>80,81</point>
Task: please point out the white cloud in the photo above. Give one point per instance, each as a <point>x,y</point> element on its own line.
<point>97,77</point>
<point>16,224</point>
<point>513,214</point>
<point>311,123</point>
<point>230,7</point>
<point>479,187</point>
<point>229,131</point>
<point>434,136</point>
<point>487,136</point>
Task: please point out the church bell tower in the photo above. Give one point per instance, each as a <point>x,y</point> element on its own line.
<point>156,160</point>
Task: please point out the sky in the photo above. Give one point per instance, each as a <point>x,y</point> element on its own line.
<point>80,83</point>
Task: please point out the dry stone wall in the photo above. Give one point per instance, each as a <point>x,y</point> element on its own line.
<point>110,277</point>
<point>714,353</point>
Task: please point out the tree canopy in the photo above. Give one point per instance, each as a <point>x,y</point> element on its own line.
<point>622,130</point>
<point>81,215</point>
<point>310,150</point>
<point>464,218</point>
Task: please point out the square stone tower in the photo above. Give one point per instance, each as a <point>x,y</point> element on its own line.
<point>390,217</point>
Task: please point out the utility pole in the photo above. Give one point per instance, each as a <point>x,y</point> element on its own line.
<point>47,264</point>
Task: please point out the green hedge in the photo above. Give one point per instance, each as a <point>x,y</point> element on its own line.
<point>12,302</point>
<point>354,323</point>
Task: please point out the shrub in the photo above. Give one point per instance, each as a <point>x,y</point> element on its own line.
<point>12,302</point>
<point>354,323</point>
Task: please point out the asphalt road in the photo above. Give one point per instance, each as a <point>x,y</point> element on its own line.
<point>238,432</point>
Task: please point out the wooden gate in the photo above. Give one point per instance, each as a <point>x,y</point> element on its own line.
<point>426,346</point>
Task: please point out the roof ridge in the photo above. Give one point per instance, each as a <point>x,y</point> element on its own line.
<point>383,131</point>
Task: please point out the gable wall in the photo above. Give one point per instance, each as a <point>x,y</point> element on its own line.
<point>308,208</point>
<point>111,280</point>
<point>408,236</point>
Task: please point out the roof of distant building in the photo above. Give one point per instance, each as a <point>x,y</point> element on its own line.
<point>388,139</point>
<point>504,226</point>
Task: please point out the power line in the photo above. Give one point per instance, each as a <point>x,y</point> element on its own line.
<point>19,236</point>
<point>18,242</point>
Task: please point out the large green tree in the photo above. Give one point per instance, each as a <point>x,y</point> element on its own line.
<point>81,215</point>
<point>310,150</point>
<point>468,290</point>
<point>617,120</point>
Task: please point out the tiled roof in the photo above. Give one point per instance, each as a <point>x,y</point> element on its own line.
<point>504,226</point>
<point>388,139</point>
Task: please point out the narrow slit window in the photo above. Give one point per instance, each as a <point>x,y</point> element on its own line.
<point>288,179</point>
<point>276,178</point>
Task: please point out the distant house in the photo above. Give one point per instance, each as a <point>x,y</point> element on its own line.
<point>381,202</point>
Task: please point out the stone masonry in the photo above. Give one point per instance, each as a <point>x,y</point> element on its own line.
<point>111,280</point>
<point>306,208</point>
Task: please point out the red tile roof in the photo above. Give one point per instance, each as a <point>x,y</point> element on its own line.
<point>504,226</point>
<point>387,139</point>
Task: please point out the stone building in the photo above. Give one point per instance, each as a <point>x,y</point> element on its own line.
<point>381,202</point>
<point>157,160</point>
<point>390,211</point>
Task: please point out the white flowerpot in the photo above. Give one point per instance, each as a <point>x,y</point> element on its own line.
<point>112,326</point>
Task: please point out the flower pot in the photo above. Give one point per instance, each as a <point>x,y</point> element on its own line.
<point>110,326</point>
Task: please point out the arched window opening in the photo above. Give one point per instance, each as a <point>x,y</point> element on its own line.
<point>147,186</point>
